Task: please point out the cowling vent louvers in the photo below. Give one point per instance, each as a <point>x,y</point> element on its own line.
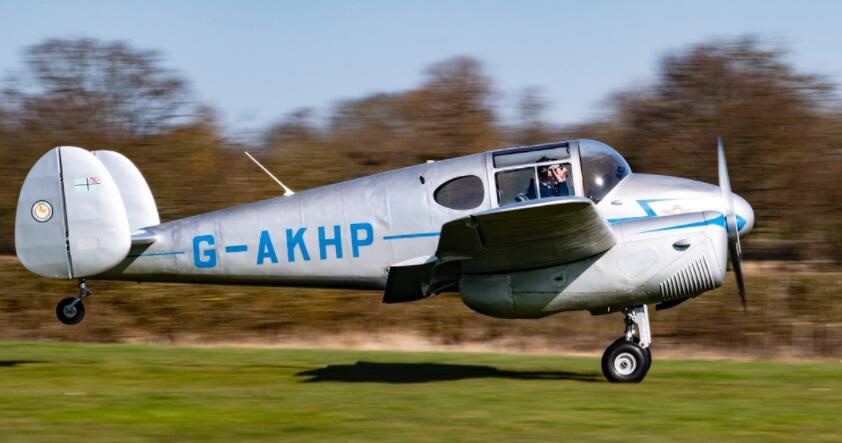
<point>692,279</point>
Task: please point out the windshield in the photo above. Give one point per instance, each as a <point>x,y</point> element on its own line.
<point>602,168</point>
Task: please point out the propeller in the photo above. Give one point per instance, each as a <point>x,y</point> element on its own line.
<point>734,251</point>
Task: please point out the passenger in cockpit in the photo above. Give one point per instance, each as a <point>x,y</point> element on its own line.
<point>555,183</point>
<point>552,182</point>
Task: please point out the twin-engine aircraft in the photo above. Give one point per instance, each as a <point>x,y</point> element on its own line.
<point>519,233</point>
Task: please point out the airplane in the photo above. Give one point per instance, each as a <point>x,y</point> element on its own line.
<point>520,232</point>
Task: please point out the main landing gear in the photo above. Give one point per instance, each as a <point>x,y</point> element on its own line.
<point>627,360</point>
<point>71,310</point>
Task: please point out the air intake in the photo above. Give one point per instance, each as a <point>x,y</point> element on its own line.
<point>692,279</point>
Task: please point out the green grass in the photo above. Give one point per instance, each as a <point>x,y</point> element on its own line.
<point>128,393</point>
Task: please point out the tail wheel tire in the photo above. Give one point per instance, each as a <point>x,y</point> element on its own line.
<point>626,362</point>
<point>70,315</point>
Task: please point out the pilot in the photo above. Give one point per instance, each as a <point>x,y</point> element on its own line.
<point>552,182</point>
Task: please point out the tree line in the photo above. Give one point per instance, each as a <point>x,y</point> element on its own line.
<point>782,128</point>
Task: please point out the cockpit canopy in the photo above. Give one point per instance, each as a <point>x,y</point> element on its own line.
<point>552,170</point>
<point>602,168</point>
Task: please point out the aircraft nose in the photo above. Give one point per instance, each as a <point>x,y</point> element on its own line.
<point>745,214</point>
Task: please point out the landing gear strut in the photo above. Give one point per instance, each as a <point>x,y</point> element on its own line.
<point>627,360</point>
<point>71,310</point>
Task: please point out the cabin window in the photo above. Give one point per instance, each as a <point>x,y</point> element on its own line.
<point>462,193</point>
<point>541,181</point>
<point>516,185</point>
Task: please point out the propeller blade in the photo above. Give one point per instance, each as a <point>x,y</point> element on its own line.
<point>731,221</point>
<point>724,180</point>
<point>725,188</point>
<point>736,266</point>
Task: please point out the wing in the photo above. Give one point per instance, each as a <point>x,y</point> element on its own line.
<point>528,235</point>
<point>517,237</point>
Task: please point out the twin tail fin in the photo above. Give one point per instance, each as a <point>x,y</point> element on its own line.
<point>77,210</point>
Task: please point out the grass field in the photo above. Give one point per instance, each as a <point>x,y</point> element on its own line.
<point>128,393</point>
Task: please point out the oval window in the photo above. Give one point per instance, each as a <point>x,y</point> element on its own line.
<point>465,192</point>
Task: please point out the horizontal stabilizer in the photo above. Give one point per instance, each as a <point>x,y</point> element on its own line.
<point>143,237</point>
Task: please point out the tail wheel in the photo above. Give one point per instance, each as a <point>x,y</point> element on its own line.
<point>69,313</point>
<point>626,362</point>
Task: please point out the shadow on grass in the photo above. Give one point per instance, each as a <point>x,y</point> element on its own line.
<point>363,371</point>
<point>12,363</point>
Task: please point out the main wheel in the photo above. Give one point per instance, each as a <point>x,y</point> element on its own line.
<point>626,362</point>
<point>70,315</point>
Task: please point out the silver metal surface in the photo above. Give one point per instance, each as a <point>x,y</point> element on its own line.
<point>88,232</point>
<point>528,235</point>
<point>41,246</point>
<point>141,209</point>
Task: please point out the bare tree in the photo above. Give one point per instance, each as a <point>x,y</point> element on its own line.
<point>85,87</point>
<point>531,128</point>
<point>450,113</point>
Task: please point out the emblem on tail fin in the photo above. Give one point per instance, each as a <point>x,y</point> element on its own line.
<point>87,184</point>
<point>42,211</point>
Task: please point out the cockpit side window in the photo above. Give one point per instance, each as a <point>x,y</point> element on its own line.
<point>602,168</point>
<point>540,181</point>
<point>466,192</point>
<point>516,185</point>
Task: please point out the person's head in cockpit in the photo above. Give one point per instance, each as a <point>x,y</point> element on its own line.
<point>553,181</point>
<point>552,175</point>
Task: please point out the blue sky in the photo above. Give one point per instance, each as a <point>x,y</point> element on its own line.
<point>257,60</point>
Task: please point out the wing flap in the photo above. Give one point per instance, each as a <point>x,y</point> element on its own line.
<point>409,280</point>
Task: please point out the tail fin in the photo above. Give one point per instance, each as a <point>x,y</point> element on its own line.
<point>72,220</point>
<point>137,197</point>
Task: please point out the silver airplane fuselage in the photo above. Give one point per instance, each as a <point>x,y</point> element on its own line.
<point>349,234</point>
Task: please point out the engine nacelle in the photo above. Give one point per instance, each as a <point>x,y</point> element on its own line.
<point>490,295</point>
<point>656,260</point>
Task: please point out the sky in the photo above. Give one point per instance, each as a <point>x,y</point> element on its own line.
<point>255,61</point>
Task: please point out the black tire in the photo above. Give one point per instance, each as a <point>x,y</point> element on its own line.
<point>626,362</point>
<point>70,316</point>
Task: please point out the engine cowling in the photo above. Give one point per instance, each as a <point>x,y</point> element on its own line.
<point>658,259</point>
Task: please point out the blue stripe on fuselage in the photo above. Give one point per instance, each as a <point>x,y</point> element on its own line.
<point>155,254</point>
<point>644,204</point>
<point>417,235</point>
<point>719,221</point>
